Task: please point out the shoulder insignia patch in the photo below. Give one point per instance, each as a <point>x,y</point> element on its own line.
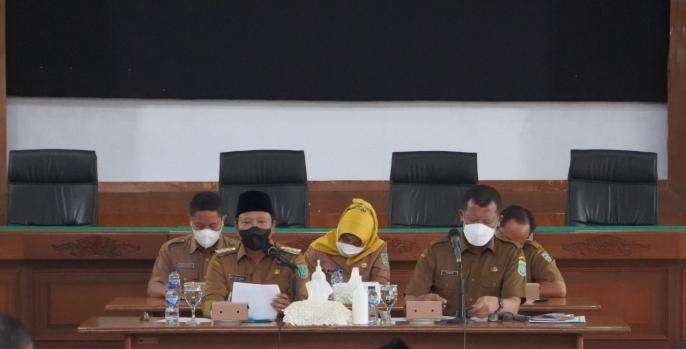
<point>225,251</point>
<point>547,257</point>
<point>290,250</point>
<point>303,271</point>
<point>521,267</point>
<point>384,259</point>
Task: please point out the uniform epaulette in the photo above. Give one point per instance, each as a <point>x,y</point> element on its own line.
<point>507,241</point>
<point>290,250</point>
<point>226,250</point>
<point>179,240</point>
<point>536,245</point>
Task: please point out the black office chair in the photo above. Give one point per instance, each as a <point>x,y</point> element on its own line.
<point>428,187</point>
<point>612,187</point>
<point>279,173</point>
<point>52,187</point>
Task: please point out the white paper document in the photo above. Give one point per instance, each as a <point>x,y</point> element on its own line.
<point>573,320</point>
<point>259,299</point>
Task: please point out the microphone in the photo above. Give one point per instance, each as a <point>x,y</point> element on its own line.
<point>454,235</point>
<point>273,251</point>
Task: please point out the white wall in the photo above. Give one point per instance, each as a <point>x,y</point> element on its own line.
<point>171,140</point>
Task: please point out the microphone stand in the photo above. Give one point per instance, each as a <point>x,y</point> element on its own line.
<point>271,250</point>
<point>461,314</point>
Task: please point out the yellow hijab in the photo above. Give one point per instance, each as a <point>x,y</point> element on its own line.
<point>358,219</point>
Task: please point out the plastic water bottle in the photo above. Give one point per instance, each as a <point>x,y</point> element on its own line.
<point>172,298</point>
<point>373,299</point>
<point>174,281</point>
<point>337,276</point>
<point>360,302</point>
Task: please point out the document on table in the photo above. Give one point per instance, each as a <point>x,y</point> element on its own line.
<point>543,320</point>
<point>259,299</point>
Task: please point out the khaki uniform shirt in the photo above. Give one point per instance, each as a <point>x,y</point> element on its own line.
<point>497,269</point>
<point>232,264</point>
<point>374,267</point>
<point>187,256</point>
<point>540,266</point>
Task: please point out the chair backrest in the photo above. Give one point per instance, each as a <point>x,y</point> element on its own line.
<point>280,173</point>
<point>52,187</point>
<point>612,187</point>
<point>428,187</point>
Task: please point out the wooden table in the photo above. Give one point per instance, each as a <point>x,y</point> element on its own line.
<point>149,335</point>
<point>137,305</point>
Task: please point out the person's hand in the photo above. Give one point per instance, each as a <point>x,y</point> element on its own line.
<point>484,306</point>
<point>281,301</point>
<point>432,297</point>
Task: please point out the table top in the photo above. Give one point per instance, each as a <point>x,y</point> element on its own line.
<point>565,305</point>
<point>133,325</point>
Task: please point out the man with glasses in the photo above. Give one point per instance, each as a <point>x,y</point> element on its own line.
<point>249,262</point>
<point>190,254</point>
<point>494,270</point>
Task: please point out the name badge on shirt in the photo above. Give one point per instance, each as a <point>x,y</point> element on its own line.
<point>236,278</point>
<point>449,273</point>
<point>185,265</point>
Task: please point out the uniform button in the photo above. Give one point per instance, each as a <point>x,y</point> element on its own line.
<point>472,280</point>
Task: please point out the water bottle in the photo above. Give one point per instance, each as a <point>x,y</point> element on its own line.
<point>172,298</point>
<point>174,281</point>
<point>373,299</point>
<point>337,276</point>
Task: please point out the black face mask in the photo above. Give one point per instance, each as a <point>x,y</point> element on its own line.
<point>255,238</point>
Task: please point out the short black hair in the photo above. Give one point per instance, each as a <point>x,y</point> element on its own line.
<point>520,215</point>
<point>482,195</point>
<point>207,201</point>
<point>13,335</point>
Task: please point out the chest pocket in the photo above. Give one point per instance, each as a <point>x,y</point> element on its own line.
<point>491,280</point>
<point>188,271</point>
<point>447,280</point>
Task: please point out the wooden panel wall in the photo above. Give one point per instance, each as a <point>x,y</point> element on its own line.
<point>638,276</point>
<point>166,204</point>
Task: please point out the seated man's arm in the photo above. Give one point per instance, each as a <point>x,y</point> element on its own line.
<point>419,287</point>
<point>553,289</point>
<point>545,272</point>
<point>157,285</point>
<point>216,285</point>
<point>514,283</point>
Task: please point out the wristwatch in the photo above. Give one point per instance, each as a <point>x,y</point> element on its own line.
<point>501,304</point>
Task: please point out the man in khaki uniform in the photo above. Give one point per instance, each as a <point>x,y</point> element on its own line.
<point>494,269</point>
<point>190,254</point>
<point>248,261</point>
<point>517,224</point>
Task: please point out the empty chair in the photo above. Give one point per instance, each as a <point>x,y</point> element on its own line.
<point>52,187</point>
<point>428,187</point>
<point>612,187</point>
<point>279,173</point>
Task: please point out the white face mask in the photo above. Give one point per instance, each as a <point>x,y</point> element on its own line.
<point>478,234</point>
<point>348,250</point>
<point>207,237</point>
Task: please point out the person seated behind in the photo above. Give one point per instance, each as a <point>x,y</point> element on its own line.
<point>494,269</point>
<point>13,334</point>
<point>353,243</point>
<point>517,224</point>
<point>190,254</point>
<point>248,261</point>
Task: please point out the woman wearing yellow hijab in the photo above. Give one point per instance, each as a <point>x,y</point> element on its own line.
<point>354,242</point>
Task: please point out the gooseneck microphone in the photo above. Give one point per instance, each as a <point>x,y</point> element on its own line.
<point>454,235</point>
